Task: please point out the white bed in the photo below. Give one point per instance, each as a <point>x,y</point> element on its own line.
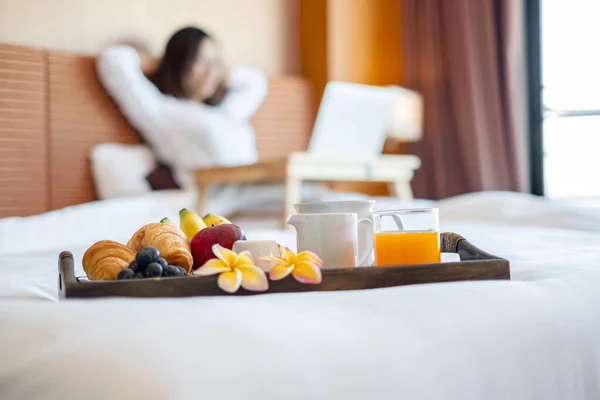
<point>534,337</point>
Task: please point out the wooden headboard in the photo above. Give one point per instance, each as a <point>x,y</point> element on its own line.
<point>23,132</point>
<point>53,111</point>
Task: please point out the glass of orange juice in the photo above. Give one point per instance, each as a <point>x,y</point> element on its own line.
<point>405,237</point>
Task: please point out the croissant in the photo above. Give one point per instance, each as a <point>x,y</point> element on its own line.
<point>168,239</point>
<point>105,259</point>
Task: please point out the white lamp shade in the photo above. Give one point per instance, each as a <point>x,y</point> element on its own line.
<point>407,119</point>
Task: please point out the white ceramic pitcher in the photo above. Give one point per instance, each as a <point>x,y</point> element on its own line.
<point>334,237</point>
<point>363,209</point>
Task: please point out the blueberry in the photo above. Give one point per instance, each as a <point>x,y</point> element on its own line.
<point>125,274</point>
<point>182,270</point>
<point>134,267</point>
<point>140,275</point>
<point>171,270</point>
<point>154,270</point>
<point>146,256</point>
<point>163,262</point>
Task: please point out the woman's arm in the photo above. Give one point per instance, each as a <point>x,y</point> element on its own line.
<point>119,71</point>
<point>246,90</point>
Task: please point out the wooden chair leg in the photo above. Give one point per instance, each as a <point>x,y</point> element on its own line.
<point>292,196</point>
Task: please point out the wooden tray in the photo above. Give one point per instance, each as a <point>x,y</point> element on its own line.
<point>475,265</point>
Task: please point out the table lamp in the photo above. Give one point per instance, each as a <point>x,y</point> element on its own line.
<point>407,119</point>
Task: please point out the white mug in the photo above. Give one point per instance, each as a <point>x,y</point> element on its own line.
<point>258,249</point>
<point>363,209</point>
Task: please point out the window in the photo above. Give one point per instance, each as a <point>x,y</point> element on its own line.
<point>570,58</point>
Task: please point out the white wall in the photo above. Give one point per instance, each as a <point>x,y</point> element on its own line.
<point>250,31</point>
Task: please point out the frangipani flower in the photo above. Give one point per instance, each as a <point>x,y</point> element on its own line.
<point>234,270</point>
<point>305,266</point>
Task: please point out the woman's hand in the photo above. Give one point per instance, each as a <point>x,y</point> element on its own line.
<point>148,63</point>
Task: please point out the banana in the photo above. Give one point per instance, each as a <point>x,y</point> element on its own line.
<point>166,220</point>
<point>214,220</point>
<point>190,223</point>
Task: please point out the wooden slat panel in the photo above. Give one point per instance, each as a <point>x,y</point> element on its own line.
<point>98,117</point>
<point>20,96</point>
<point>81,115</point>
<point>285,119</point>
<point>23,139</point>
<point>18,76</point>
<point>31,86</point>
<point>11,135</point>
<point>20,124</point>
<point>20,112</point>
<point>19,102</point>
<point>31,67</point>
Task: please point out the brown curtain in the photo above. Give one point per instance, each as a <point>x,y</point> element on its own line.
<point>466,58</point>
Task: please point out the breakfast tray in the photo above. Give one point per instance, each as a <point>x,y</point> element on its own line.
<point>475,265</point>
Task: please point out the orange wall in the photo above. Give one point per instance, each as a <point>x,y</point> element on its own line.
<point>313,49</point>
<point>365,41</point>
<point>351,39</point>
<point>387,68</point>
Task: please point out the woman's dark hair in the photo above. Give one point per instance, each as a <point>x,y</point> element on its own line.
<point>180,54</point>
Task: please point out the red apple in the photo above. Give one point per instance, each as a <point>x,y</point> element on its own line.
<point>202,242</point>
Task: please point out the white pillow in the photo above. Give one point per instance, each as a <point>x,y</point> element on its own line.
<point>120,170</point>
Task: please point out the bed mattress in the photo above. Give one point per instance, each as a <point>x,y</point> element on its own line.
<point>534,337</point>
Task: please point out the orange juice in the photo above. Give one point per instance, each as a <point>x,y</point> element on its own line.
<point>403,248</point>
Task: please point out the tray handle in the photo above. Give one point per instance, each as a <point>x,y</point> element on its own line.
<point>455,243</point>
<point>450,242</point>
<point>66,272</point>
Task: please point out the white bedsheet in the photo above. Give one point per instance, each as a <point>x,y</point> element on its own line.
<point>534,337</point>
<point>118,218</point>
